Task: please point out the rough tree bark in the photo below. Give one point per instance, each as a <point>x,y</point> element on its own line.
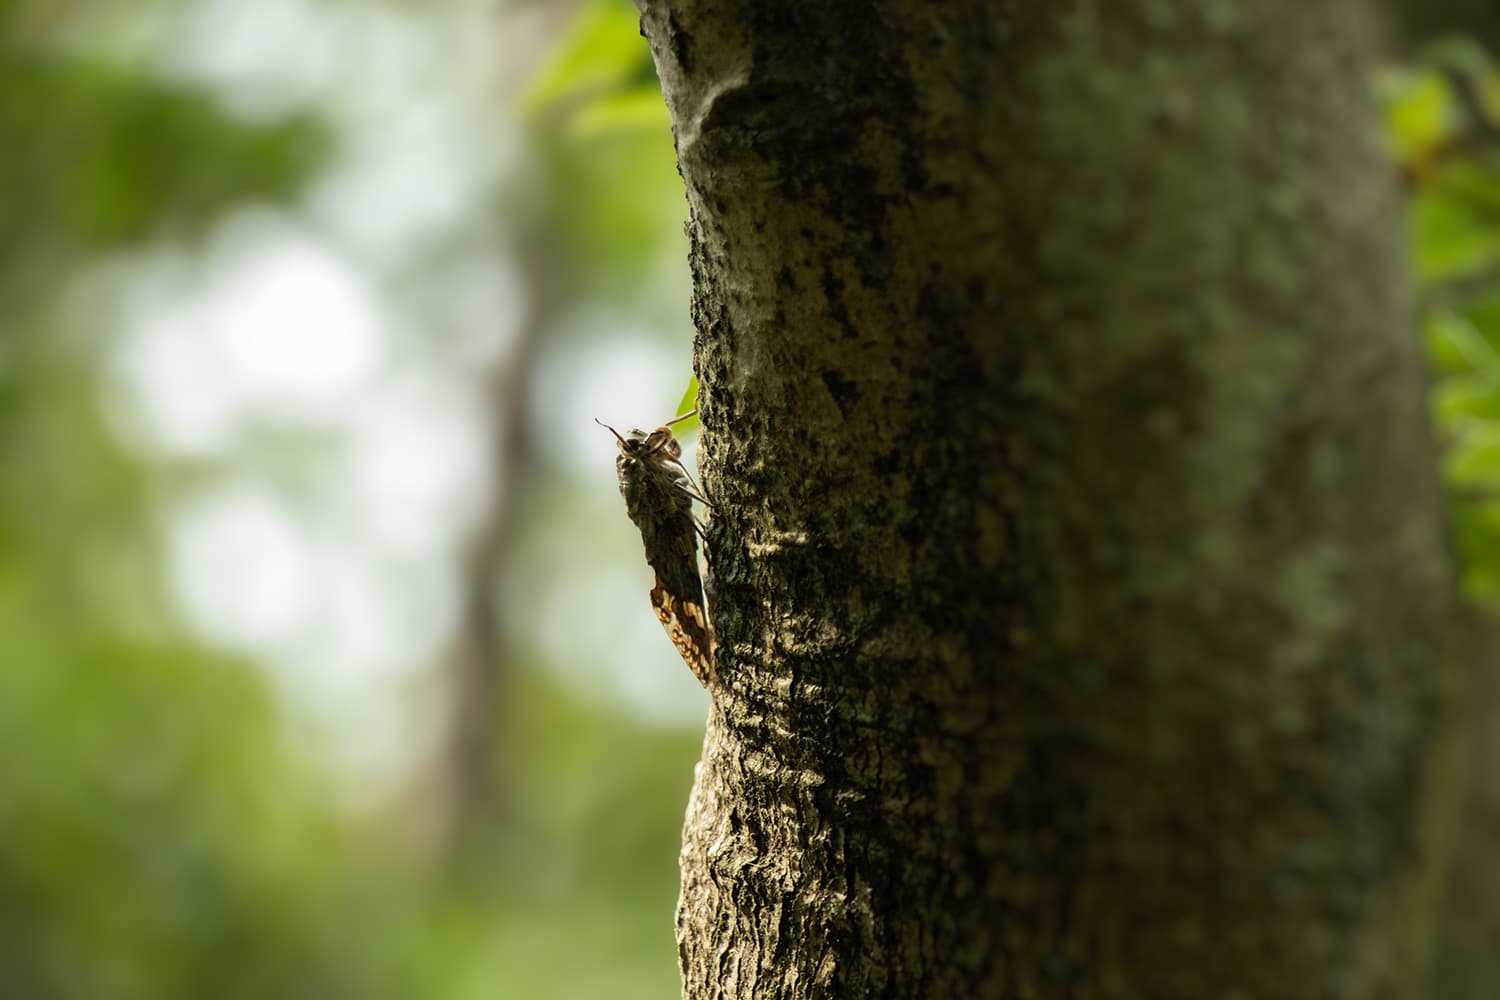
<point>1078,559</point>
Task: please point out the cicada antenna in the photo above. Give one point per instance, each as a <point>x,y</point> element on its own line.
<point>611,430</point>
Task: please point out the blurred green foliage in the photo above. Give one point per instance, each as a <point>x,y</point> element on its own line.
<point>104,157</point>
<point>1444,128</point>
<point>153,832</point>
<point>598,66</point>
<point>597,127</point>
<point>158,836</point>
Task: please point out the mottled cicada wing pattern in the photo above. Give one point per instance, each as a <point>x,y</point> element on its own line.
<point>659,494</point>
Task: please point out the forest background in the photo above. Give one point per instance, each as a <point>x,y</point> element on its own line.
<point>325,653</point>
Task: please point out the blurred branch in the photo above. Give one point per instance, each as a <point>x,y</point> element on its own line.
<point>475,785</point>
<point>1464,289</point>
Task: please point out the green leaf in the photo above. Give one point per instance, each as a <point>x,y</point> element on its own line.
<point>603,51</point>
<point>1460,346</point>
<point>688,404</point>
<point>1478,528</point>
<point>1462,399</point>
<point>1417,114</point>
<point>1476,462</point>
<point>689,399</point>
<point>1452,239</point>
<point>639,109</point>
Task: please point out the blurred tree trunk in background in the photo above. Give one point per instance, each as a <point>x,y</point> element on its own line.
<point>1079,563</point>
<point>477,790</point>
<point>1422,21</point>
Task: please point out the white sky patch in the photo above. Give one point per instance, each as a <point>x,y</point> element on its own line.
<point>273,325</point>
<point>167,376</point>
<point>621,635</point>
<point>342,631</point>
<point>480,302</point>
<point>628,378</point>
<point>275,61</point>
<point>414,155</point>
<point>416,463</point>
<point>243,571</point>
<point>295,327</point>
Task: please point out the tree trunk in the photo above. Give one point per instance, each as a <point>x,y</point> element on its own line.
<point>1077,551</point>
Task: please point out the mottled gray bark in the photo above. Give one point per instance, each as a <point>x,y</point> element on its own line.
<point>1078,558</point>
